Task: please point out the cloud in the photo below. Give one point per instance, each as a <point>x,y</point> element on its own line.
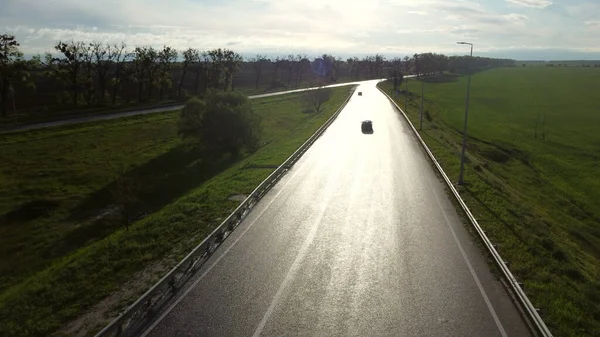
<point>307,26</point>
<point>515,18</point>
<point>593,27</point>
<point>417,12</point>
<point>464,31</point>
<point>474,13</point>
<point>424,31</point>
<point>582,10</point>
<point>531,3</point>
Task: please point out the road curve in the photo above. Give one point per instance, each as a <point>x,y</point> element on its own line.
<point>93,118</point>
<point>358,239</point>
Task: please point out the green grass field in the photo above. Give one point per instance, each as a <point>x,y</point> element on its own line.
<point>62,251</point>
<point>532,181</point>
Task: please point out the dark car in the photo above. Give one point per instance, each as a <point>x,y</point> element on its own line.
<point>360,93</point>
<point>367,126</point>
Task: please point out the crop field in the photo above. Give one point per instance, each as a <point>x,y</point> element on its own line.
<point>531,176</point>
<point>63,249</point>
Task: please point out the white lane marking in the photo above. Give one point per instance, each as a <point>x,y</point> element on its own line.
<point>327,191</point>
<point>219,258</point>
<point>291,272</point>
<point>464,255</point>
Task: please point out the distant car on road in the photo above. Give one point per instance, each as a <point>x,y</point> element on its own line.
<point>360,93</point>
<point>367,126</point>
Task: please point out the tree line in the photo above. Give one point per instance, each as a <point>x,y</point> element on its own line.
<point>93,74</point>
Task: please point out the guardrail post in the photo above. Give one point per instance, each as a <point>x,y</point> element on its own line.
<point>149,307</point>
<point>172,284</point>
<point>191,265</point>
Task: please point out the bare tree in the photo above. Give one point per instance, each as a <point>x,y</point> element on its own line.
<point>316,98</point>
<point>428,63</point>
<point>88,70</point>
<point>68,68</point>
<point>13,69</point>
<point>378,66</point>
<point>442,63</point>
<point>223,63</point>
<point>278,63</point>
<point>119,56</point>
<point>395,66</point>
<point>103,58</point>
<point>150,65</point>
<point>191,56</point>
<point>329,67</point>
<point>301,67</point>
<point>355,65</point>
<point>231,64</point>
<point>257,65</point>
<point>406,67</point>
<point>369,65</point>
<point>165,57</point>
<point>204,70</point>
<point>136,71</point>
<point>216,67</point>
<point>351,66</point>
<point>144,69</point>
<point>291,65</point>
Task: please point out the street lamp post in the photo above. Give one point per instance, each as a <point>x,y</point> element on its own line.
<point>464,141</point>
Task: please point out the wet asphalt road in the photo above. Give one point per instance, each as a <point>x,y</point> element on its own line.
<point>358,239</point>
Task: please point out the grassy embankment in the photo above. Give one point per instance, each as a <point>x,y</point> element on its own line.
<point>532,177</point>
<point>63,250</point>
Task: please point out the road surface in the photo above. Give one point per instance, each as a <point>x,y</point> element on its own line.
<point>358,239</point>
<point>92,118</point>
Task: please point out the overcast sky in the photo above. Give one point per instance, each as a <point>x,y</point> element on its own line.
<point>521,29</point>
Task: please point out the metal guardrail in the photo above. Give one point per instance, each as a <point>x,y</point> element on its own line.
<point>145,308</point>
<point>514,284</point>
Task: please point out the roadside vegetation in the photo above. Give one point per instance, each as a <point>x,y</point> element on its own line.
<point>93,214</point>
<point>531,176</point>
<point>81,78</point>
